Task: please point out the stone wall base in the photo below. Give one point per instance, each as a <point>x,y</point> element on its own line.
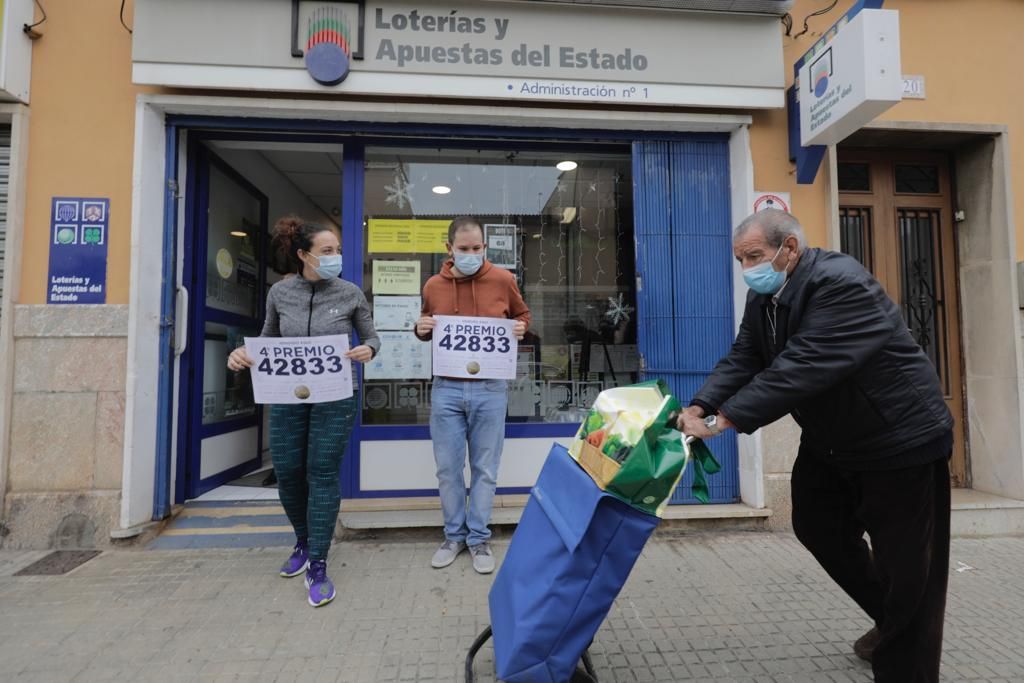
<point>44,520</point>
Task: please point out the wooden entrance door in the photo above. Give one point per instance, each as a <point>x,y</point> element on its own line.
<point>896,217</point>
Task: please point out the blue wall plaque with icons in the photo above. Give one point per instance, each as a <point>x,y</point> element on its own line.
<point>79,232</point>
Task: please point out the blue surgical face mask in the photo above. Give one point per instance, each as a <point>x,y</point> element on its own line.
<point>763,278</point>
<point>468,264</point>
<point>330,266</point>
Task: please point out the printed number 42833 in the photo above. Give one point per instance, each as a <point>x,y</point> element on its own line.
<point>461,342</point>
<point>300,366</point>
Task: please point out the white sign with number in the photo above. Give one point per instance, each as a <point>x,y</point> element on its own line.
<point>300,369</point>
<point>474,348</point>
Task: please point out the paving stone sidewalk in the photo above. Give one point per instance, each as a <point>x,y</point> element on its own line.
<point>701,607</point>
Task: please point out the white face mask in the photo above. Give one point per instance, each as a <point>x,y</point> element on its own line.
<point>763,278</point>
<point>468,264</point>
<point>330,265</point>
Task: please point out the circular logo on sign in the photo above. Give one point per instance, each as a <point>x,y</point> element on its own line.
<point>472,367</point>
<point>821,85</point>
<point>302,392</point>
<point>377,398</point>
<point>328,46</point>
<point>770,201</point>
<point>225,263</point>
<point>66,235</point>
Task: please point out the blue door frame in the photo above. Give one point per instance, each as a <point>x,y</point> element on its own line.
<point>680,189</point>
<point>191,430</point>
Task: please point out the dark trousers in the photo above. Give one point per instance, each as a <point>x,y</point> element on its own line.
<point>900,581</point>
<point>307,442</point>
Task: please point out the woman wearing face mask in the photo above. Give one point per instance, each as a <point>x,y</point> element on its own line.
<point>468,411</point>
<point>308,440</point>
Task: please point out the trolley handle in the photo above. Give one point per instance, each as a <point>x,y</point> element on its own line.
<point>673,418</point>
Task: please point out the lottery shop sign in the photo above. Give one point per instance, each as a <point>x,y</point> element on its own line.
<point>79,232</point>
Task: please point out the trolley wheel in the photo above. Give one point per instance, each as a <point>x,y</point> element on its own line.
<point>584,675</point>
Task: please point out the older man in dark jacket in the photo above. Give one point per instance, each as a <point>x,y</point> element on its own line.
<point>821,341</point>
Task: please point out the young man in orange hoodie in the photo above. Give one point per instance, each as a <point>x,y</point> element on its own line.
<point>468,411</point>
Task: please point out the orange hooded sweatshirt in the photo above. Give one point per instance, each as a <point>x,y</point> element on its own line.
<point>491,292</point>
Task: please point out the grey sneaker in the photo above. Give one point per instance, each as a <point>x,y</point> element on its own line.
<point>483,558</point>
<point>447,553</point>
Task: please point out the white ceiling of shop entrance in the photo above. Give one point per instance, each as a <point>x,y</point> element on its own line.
<point>488,182</point>
<point>313,169</point>
<point>300,176</point>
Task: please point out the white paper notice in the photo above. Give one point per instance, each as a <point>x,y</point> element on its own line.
<point>402,356</point>
<point>395,312</point>
<point>480,348</point>
<point>300,369</point>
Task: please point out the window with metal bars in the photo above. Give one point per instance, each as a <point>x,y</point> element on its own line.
<point>921,285</point>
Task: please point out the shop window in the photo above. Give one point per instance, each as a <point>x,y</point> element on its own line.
<point>226,395</point>
<point>854,177</point>
<point>855,234</point>
<point>567,235</point>
<point>917,179</point>
<point>921,282</point>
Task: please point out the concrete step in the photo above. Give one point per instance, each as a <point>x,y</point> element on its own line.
<point>978,514</point>
<point>418,513</point>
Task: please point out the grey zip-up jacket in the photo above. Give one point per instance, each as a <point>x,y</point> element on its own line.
<point>297,307</point>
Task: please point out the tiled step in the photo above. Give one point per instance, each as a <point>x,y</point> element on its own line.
<point>234,524</point>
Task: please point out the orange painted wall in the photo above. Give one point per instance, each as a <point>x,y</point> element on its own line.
<point>969,54</point>
<point>83,109</point>
<point>81,132</point>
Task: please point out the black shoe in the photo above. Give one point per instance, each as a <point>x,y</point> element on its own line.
<point>865,645</point>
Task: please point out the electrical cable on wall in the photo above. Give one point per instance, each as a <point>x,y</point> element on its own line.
<point>30,29</point>
<point>126,28</point>
<point>787,21</point>
<point>826,10</point>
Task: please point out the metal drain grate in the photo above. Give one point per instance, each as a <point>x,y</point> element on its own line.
<point>58,562</point>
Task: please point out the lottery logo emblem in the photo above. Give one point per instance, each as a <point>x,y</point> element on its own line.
<point>67,211</point>
<point>93,213</point>
<point>66,236</point>
<point>821,70</point>
<point>302,392</point>
<point>328,46</point>
<point>92,235</point>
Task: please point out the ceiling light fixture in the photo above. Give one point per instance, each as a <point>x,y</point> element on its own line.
<point>238,233</point>
<point>566,165</point>
<point>441,189</point>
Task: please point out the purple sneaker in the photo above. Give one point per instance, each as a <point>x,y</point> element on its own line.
<point>321,590</point>
<point>297,563</point>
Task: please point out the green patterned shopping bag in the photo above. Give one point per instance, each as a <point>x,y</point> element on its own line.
<point>629,446</point>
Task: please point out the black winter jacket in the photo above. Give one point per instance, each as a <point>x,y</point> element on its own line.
<point>842,362</point>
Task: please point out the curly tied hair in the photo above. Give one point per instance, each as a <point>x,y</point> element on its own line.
<point>290,234</point>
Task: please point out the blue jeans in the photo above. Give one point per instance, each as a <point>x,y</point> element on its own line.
<point>470,413</point>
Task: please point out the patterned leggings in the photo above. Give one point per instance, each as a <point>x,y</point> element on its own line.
<point>306,445</point>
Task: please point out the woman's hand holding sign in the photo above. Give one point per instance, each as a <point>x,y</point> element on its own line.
<point>361,354</point>
<point>240,360</point>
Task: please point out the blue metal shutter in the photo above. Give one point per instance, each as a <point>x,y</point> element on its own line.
<point>684,257</point>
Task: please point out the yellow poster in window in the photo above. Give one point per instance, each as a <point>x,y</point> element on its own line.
<point>432,237</point>
<point>407,236</point>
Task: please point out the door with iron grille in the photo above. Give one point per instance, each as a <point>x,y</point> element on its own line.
<point>896,217</point>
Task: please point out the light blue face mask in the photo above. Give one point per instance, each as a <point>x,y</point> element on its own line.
<point>468,264</point>
<point>763,278</point>
<point>330,266</point>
